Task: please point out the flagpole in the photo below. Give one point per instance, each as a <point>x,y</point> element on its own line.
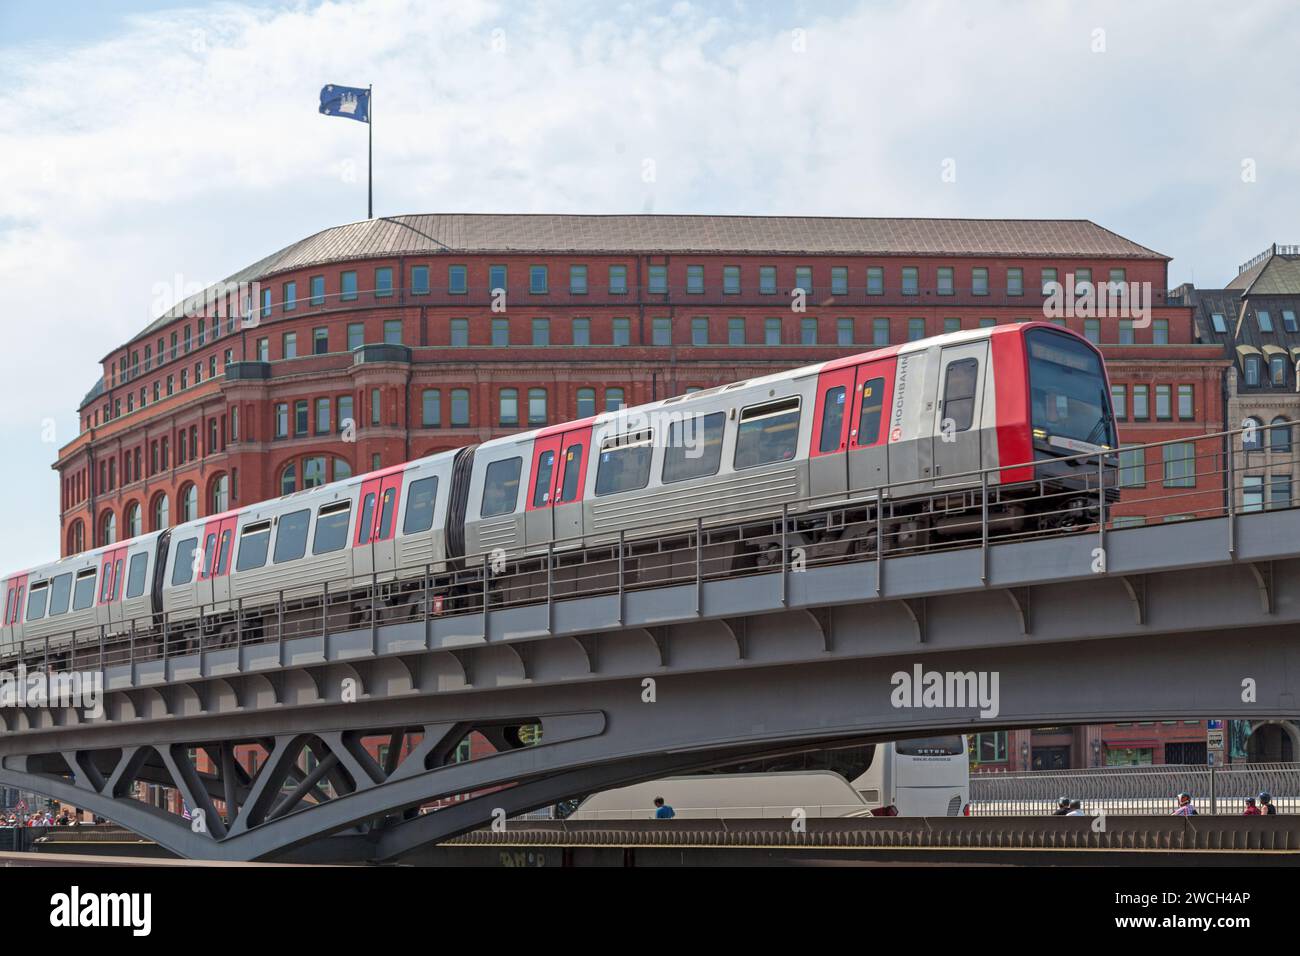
<point>370,156</point>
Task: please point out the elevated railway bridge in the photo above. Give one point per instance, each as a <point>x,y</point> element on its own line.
<point>655,658</point>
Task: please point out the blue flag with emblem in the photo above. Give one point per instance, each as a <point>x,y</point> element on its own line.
<point>348,101</point>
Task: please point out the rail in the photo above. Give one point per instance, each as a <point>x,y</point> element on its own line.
<point>1207,476</point>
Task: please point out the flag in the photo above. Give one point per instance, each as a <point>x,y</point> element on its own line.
<point>347,101</point>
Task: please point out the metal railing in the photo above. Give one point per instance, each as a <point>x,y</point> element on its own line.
<point>1183,479</point>
<point>1144,790</point>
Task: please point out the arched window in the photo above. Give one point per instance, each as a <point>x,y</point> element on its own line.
<point>614,399</point>
<point>134,521</point>
<point>76,537</point>
<point>1252,435</point>
<point>108,528</point>
<point>161,513</point>
<point>220,498</point>
<point>1279,436</point>
<point>289,479</point>
<point>189,495</point>
<point>586,402</point>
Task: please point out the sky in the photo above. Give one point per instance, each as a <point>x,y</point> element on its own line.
<point>145,146</point>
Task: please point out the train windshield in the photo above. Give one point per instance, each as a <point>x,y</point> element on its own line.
<point>1068,391</point>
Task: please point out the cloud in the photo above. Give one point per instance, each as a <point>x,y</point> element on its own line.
<point>188,141</point>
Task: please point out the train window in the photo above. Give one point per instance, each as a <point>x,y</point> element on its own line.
<point>135,576</point>
<point>183,568</point>
<point>117,580</point>
<point>367,518</point>
<point>542,483</point>
<point>60,594</point>
<point>254,541</point>
<point>223,559</point>
<point>767,433</point>
<point>420,498</point>
<point>106,589</point>
<point>83,591</point>
<point>386,514</point>
<point>572,472</point>
<point>18,603</point>
<point>36,599</point>
<point>9,603</point>
<point>332,527</point>
<point>694,448</point>
<point>832,419</point>
<point>873,407</point>
<point>501,487</point>
<point>959,393</point>
<point>624,463</point>
<point>209,552</point>
<point>291,536</point>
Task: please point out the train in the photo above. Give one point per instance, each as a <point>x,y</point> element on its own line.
<point>891,447</point>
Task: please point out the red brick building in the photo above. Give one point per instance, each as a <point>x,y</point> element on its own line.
<point>431,332</point>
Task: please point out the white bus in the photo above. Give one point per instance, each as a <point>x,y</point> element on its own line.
<point>916,778</point>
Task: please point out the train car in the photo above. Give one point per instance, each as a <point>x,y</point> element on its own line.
<point>85,595</point>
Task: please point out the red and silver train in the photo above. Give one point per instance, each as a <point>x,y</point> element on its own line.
<point>896,436</point>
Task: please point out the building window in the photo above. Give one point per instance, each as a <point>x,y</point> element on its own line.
<point>1264,320</point>
<point>1251,437</point>
<point>537,406</point>
<point>289,479</point>
<point>735,331</point>
<point>803,279</point>
<point>541,332</point>
<point>1015,282</point>
<point>839,281</point>
<point>1277,369</point>
<point>772,331</point>
<point>500,333</point>
<point>290,293</point>
<point>376,407</point>
<point>661,332</point>
<point>348,285</point>
<point>807,331</point>
<point>1252,493</point>
<point>1082,281</point>
<point>281,423</point>
<point>263,355</point>
<point>509,404</point>
<point>537,280</point>
<point>1163,410</point>
<point>1160,332</point>
<point>1092,330</point>
<point>1119,401</point>
<point>1126,332</point>
<point>300,417</point>
<point>393,332</point>
<point>951,325</point>
<point>431,404</point>
<point>1288,323</point>
<point>582,332</point>
<point>979,281</point>
<point>1279,435</point>
<point>1252,370</point>
<point>497,278</point>
<point>618,280</point>
<point>161,514</point>
<point>320,341</point>
<point>356,335</point>
<point>1048,281</point>
<point>875,280</point>
<point>695,280</point>
<point>731,280</point>
<point>384,282</point>
<point>317,290</point>
<point>1217,320</point>
<point>289,345</point>
<point>1180,465</point>
<point>189,496</point>
<point>322,416</point>
<point>1141,405</point>
<point>699,331</point>
<point>460,333</point>
<point>459,408</point>
<point>346,420</point>
<point>613,399</point>
<point>1132,468</point>
<point>844,331</point>
<point>220,494</point>
<point>945,280</point>
<point>880,331</point>
<point>622,331</point>
<point>915,329</point>
<point>1279,491</point>
<point>313,473</point>
<point>577,280</point>
<point>912,280</point>
<point>419,280</point>
<point>266,314</point>
<point>658,280</point>
<point>457,280</point>
<point>586,402</point>
<point>767,280</point>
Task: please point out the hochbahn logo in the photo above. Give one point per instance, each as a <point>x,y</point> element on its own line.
<point>83,690</point>
<point>946,689</point>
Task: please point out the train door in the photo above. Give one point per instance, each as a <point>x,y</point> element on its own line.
<point>15,592</point>
<point>828,463</point>
<point>214,575</point>
<point>955,441</point>
<point>868,438</point>
<point>374,547</point>
<point>112,584</point>
<point>554,505</point>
